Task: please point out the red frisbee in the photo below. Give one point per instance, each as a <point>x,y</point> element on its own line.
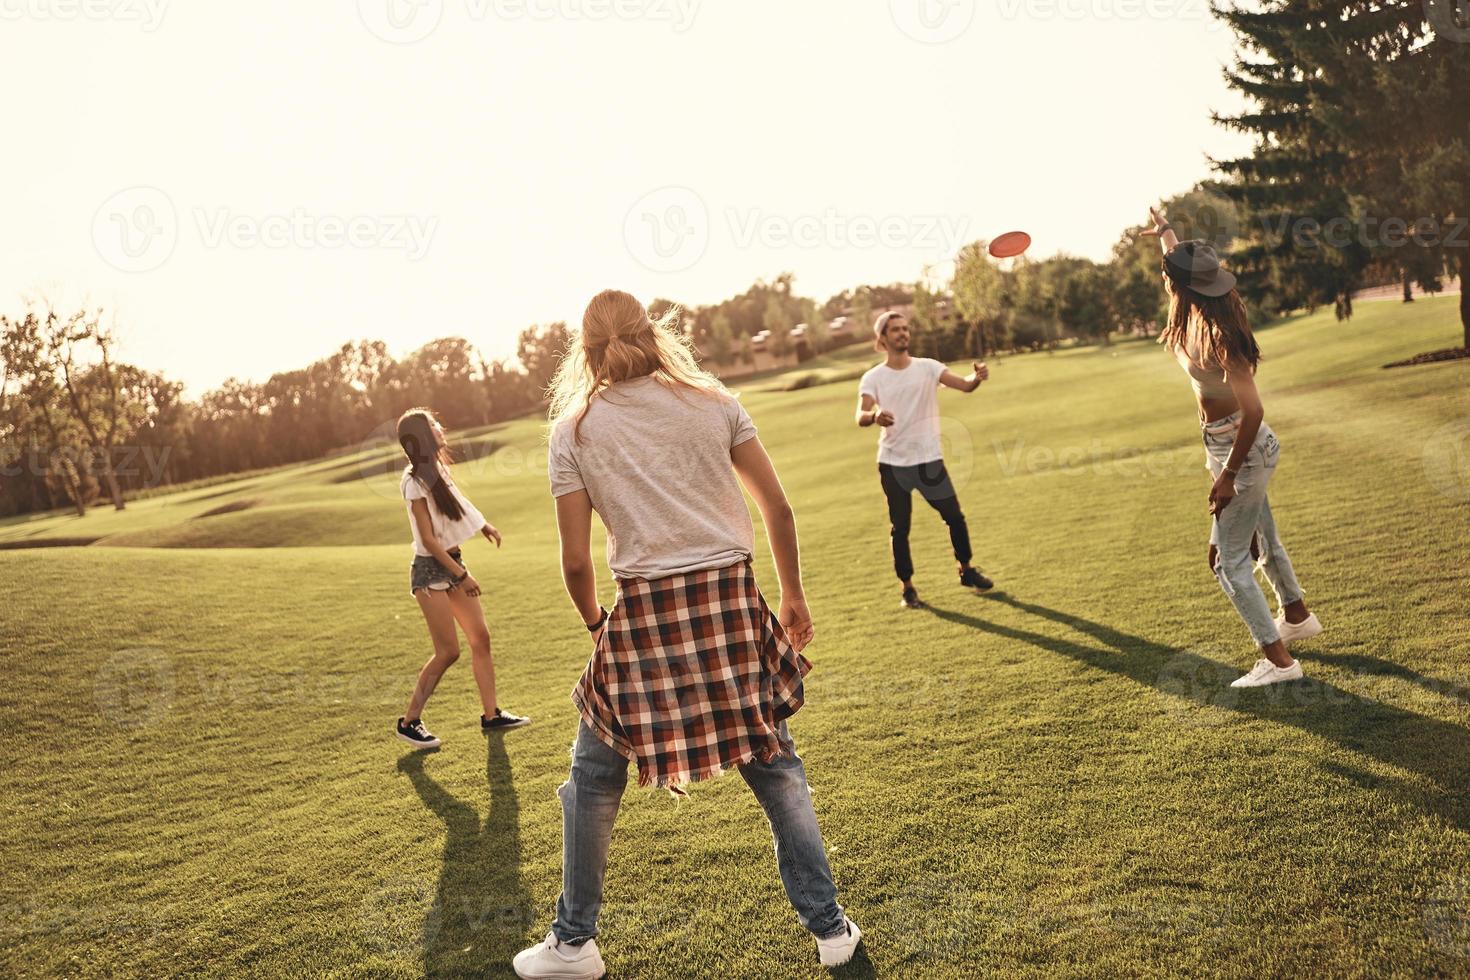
<point>1009,245</point>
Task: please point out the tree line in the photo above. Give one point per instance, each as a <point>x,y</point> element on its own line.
<point>78,425</point>
<point>1360,176</point>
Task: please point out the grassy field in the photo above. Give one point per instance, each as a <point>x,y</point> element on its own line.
<point>1051,780</point>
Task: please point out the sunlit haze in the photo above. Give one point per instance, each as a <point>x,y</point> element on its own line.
<point>247,186</point>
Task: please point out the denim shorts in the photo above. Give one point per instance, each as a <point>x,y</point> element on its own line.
<point>427,573</point>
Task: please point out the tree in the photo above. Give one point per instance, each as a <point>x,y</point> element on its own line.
<point>1360,118</point>
<point>818,331</point>
<point>984,297</point>
<point>540,350</point>
<point>775,320</point>
<point>94,388</point>
<point>719,339</point>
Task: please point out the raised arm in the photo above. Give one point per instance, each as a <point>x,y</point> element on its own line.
<point>574,526</point>
<point>1160,229</point>
<point>758,476</point>
<point>951,380</point>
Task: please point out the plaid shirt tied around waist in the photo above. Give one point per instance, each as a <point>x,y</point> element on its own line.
<point>693,675</point>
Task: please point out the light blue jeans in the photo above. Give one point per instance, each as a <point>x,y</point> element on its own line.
<point>1248,518</point>
<point>589,804</point>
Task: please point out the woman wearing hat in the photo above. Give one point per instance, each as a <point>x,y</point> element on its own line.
<point>1209,335</point>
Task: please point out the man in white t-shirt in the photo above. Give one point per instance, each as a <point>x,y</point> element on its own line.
<point>900,396</point>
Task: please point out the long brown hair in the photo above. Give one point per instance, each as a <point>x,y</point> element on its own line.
<point>429,458</point>
<point>1211,330</point>
<point>619,341</point>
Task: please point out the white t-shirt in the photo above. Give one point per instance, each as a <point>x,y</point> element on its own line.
<point>911,396</point>
<point>451,534</point>
<point>656,463</point>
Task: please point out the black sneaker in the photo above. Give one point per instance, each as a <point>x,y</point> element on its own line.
<point>911,599</point>
<point>501,721</point>
<point>976,579</point>
<point>415,734</point>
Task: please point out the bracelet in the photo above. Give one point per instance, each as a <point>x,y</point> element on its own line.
<point>1233,473</point>
<point>1165,227</point>
<point>601,619</point>
<point>460,578</point>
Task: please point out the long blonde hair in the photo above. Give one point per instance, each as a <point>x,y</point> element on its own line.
<point>619,341</point>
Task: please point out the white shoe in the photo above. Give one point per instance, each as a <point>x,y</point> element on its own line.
<point>1305,630</point>
<point>552,959</point>
<point>1265,672</point>
<point>839,949</point>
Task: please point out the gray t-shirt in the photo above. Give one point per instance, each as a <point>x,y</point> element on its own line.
<point>656,463</point>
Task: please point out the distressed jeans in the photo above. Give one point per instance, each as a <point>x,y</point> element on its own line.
<point>589,803</point>
<point>1245,519</point>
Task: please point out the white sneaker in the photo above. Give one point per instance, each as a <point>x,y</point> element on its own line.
<point>839,949</point>
<point>552,959</point>
<point>1265,672</point>
<point>1305,630</point>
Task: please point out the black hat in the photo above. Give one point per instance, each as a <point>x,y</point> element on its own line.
<point>1195,264</point>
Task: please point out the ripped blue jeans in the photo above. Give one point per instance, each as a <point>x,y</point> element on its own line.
<point>1245,520</point>
<point>589,803</point>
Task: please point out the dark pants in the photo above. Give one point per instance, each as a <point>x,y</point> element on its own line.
<point>932,482</point>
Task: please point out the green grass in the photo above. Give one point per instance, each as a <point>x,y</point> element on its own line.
<point>199,776</point>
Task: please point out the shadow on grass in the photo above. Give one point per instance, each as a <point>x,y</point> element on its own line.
<point>1438,751</point>
<point>482,909</point>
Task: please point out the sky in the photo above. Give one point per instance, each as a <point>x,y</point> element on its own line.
<point>245,187</point>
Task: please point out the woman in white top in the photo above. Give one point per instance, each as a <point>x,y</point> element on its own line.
<point>442,519</point>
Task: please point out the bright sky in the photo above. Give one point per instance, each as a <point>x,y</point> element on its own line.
<point>248,185</point>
